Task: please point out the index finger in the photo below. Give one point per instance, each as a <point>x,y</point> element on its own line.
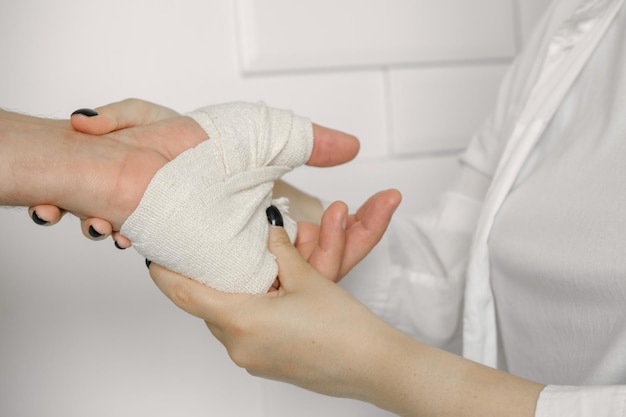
<point>120,115</point>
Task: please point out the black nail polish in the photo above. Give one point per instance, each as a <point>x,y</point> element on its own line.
<point>148,263</point>
<point>86,112</point>
<point>274,216</point>
<point>118,246</point>
<point>38,220</point>
<point>94,233</point>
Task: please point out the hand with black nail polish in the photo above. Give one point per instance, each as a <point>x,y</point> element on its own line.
<point>94,233</point>
<point>274,217</point>
<point>38,220</point>
<point>85,112</point>
<point>104,179</point>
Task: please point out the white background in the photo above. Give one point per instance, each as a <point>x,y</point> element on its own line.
<point>83,331</point>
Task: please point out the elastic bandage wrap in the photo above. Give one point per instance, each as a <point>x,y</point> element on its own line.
<point>203,214</point>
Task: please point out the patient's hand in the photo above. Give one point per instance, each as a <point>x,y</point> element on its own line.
<point>47,161</point>
<point>158,133</point>
<point>143,137</point>
<point>330,148</point>
<point>230,126</point>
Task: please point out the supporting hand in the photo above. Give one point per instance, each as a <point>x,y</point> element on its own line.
<point>309,332</point>
<point>312,333</point>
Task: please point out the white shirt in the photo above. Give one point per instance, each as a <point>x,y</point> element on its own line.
<point>524,255</point>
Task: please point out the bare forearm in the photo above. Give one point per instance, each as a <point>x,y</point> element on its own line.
<point>25,158</point>
<point>44,161</point>
<point>419,380</point>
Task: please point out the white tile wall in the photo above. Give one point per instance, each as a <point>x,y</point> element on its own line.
<point>84,331</point>
<point>529,14</point>
<point>278,35</point>
<point>435,109</point>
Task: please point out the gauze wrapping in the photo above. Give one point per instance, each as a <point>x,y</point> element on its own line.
<point>203,214</point>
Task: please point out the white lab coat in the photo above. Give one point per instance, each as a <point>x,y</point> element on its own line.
<point>430,275</point>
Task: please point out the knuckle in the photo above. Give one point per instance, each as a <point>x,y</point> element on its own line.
<point>240,332</point>
<point>239,357</point>
<point>181,296</point>
<point>131,101</point>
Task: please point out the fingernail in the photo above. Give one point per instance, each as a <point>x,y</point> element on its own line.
<point>274,216</point>
<point>148,263</point>
<point>38,220</point>
<point>86,112</point>
<point>118,246</point>
<point>94,233</point>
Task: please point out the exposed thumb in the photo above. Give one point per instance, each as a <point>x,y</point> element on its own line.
<point>291,265</point>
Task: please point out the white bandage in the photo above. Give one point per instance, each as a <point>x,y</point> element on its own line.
<point>203,214</point>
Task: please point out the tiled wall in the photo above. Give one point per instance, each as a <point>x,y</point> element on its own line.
<point>84,331</point>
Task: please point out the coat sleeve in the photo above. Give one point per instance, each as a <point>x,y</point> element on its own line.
<point>591,401</point>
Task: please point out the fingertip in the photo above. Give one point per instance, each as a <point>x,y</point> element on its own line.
<point>396,195</point>
<point>45,215</point>
<point>100,125</point>
<point>332,147</point>
<point>96,229</point>
<point>337,212</point>
<point>85,112</point>
<point>37,219</point>
<point>393,198</point>
<point>120,115</point>
<point>121,241</point>
<point>274,216</point>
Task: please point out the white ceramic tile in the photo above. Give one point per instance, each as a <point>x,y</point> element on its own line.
<point>438,109</point>
<point>86,332</point>
<point>351,101</point>
<point>278,35</point>
<point>158,50</point>
<point>419,179</point>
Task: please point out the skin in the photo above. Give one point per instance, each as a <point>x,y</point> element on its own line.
<point>312,333</point>
<point>104,178</point>
<point>138,137</point>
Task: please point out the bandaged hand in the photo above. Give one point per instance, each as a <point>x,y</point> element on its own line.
<point>203,214</point>
<point>330,148</point>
